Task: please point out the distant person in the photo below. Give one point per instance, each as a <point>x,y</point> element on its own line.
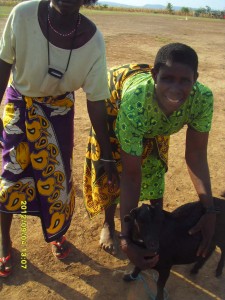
<point>146,106</point>
<point>51,50</point>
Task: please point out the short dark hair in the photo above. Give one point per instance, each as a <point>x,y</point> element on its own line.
<point>176,52</point>
<point>89,2</point>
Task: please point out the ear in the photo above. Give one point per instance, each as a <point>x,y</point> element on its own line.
<point>133,213</point>
<point>127,218</point>
<point>154,75</point>
<point>196,77</point>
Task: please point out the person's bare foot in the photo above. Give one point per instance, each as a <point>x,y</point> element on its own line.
<point>60,248</point>
<point>107,239</point>
<point>5,258</point>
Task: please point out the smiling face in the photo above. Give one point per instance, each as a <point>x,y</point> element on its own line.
<point>173,85</point>
<point>67,7</point>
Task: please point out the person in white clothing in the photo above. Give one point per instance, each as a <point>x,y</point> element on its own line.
<point>51,50</point>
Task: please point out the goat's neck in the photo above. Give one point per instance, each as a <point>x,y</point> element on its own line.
<point>183,221</point>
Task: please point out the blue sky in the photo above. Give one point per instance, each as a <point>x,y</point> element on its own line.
<point>214,4</point>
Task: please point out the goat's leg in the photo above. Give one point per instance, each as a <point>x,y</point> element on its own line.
<point>201,260</point>
<point>220,266</point>
<point>161,282</point>
<point>132,276</point>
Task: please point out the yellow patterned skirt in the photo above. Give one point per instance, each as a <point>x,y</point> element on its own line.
<point>98,195</point>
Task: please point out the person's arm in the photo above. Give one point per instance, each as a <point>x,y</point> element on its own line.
<point>5,70</point>
<point>98,117</point>
<point>130,187</point>
<point>196,159</point>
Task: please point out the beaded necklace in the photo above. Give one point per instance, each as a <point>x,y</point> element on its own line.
<point>54,72</point>
<point>64,34</point>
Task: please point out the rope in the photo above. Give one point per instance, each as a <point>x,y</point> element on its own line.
<point>149,292</point>
<point>165,292</point>
<point>146,287</point>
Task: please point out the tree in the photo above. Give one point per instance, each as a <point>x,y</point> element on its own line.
<point>200,11</point>
<point>169,8</point>
<point>185,10</point>
<point>208,9</point>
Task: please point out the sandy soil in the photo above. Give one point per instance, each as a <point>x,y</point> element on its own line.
<point>91,273</point>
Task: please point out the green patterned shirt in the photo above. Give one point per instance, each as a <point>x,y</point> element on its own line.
<point>140,116</point>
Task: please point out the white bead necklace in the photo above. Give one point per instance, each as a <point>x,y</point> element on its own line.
<point>64,34</point>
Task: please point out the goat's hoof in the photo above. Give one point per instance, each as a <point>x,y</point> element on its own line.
<point>129,278</point>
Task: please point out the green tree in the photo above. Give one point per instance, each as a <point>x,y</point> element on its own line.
<point>169,8</point>
<point>208,9</point>
<point>200,11</point>
<point>185,10</point>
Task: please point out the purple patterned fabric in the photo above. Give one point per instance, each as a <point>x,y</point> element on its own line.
<point>37,159</point>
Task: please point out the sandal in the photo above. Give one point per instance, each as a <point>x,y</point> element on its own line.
<point>7,270</point>
<point>62,248</point>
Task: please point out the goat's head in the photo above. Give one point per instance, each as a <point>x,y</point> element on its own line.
<point>146,222</point>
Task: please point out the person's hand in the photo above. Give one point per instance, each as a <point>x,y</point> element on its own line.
<point>140,257</point>
<point>112,174</point>
<point>207,227</point>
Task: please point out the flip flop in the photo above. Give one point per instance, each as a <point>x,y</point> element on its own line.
<point>7,270</point>
<point>63,249</point>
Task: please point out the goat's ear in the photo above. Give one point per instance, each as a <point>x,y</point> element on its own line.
<point>133,213</point>
<point>127,218</point>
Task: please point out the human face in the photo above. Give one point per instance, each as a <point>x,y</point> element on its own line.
<point>66,7</point>
<point>173,85</point>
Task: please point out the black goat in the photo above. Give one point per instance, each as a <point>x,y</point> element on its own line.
<point>167,233</point>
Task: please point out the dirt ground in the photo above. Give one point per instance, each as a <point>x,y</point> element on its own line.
<point>91,273</point>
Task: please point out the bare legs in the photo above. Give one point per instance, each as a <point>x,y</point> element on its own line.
<point>5,242</point>
<point>107,233</point>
